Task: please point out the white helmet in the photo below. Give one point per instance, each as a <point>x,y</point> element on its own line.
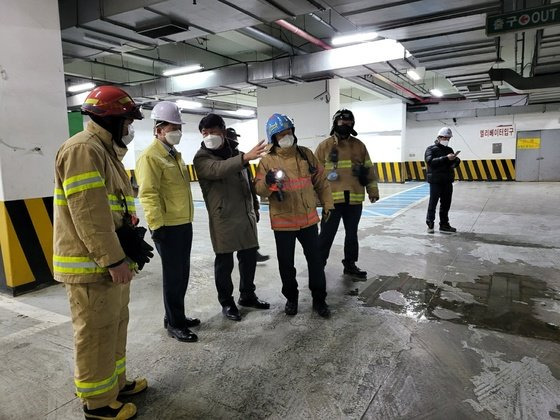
<point>167,111</point>
<point>443,132</point>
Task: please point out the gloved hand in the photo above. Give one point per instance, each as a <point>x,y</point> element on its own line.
<point>157,235</point>
<point>133,244</point>
<point>373,199</point>
<point>326,215</point>
<point>258,214</point>
<point>270,178</point>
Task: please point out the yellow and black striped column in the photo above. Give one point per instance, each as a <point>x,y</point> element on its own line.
<point>26,244</point>
<point>469,170</point>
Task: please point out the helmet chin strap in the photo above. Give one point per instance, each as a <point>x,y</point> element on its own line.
<point>114,125</point>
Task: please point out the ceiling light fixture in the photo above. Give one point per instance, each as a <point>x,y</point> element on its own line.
<point>181,103</point>
<point>243,112</point>
<point>354,38</point>
<point>413,74</point>
<point>81,87</point>
<point>436,92</point>
<point>182,70</point>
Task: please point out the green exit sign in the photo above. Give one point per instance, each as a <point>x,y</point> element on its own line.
<point>523,19</point>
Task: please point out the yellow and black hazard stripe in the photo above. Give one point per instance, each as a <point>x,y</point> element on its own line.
<point>416,171</point>
<point>390,171</point>
<point>469,170</point>
<point>26,243</point>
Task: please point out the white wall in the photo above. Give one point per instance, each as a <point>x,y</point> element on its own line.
<point>380,125</point>
<point>312,117</point>
<point>420,135</point>
<point>33,120</point>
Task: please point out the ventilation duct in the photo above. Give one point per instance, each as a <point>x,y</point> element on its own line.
<point>520,84</point>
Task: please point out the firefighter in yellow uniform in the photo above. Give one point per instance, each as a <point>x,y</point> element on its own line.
<point>350,171</point>
<point>92,193</point>
<point>291,178</point>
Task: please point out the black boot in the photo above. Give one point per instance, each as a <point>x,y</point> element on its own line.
<point>291,307</point>
<point>351,270</point>
<point>322,309</point>
<point>115,410</point>
<point>261,257</point>
<point>446,227</point>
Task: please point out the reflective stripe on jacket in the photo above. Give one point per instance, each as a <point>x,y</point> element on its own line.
<point>164,187</point>
<point>298,209</point>
<point>351,152</point>
<point>91,189</point>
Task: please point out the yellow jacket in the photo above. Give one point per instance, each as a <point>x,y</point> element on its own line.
<point>351,152</point>
<point>298,209</point>
<point>164,187</point>
<point>91,185</point>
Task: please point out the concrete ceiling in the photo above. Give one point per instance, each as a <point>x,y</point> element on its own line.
<point>108,41</point>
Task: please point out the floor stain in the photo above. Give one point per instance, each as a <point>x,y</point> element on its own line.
<point>506,302</point>
<point>498,240</point>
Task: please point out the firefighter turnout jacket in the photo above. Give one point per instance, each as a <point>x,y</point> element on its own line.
<point>352,154</point>
<point>298,209</point>
<point>164,187</point>
<point>91,189</point>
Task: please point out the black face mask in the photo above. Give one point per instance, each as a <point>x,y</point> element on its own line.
<point>343,131</point>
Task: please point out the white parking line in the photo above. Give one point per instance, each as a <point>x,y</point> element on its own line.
<point>47,318</point>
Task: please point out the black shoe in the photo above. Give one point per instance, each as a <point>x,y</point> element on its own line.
<point>322,309</point>
<point>254,302</point>
<point>231,312</point>
<point>447,228</point>
<point>189,322</point>
<point>291,307</point>
<point>351,270</point>
<point>182,334</point>
<point>261,257</point>
<point>116,410</point>
<point>430,227</point>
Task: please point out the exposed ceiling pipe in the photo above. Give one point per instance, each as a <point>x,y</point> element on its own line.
<point>270,40</point>
<point>520,84</point>
<point>301,33</point>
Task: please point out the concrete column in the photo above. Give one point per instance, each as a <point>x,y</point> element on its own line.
<point>311,105</point>
<point>33,124</point>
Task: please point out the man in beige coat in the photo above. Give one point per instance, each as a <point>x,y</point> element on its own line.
<point>223,175</point>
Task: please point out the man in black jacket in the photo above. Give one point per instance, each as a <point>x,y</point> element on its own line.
<point>441,162</point>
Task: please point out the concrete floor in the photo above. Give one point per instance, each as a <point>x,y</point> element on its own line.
<point>446,327</point>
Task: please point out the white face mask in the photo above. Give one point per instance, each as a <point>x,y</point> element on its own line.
<point>213,141</point>
<point>444,142</point>
<point>129,137</point>
<point>286,141</point>
<point>173,137</point>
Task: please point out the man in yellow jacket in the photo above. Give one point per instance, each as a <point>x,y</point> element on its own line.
<point>92,194</point>
<point>290,177</point>
<point>165,194</point>
<point>350,170</point>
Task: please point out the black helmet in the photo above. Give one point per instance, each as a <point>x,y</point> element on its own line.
<point>344,114</point>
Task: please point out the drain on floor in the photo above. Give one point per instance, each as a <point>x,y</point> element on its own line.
<point>505,302</point>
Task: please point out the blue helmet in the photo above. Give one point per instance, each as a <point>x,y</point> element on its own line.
<point>277,123</point>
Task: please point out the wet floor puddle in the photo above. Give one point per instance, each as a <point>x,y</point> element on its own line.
<point>504,302</point>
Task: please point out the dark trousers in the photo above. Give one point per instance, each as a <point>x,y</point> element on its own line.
<point>223,266</point>
<point>441,193</point>
<point>285,251</point>
<point>175,251</point>
<point>350,215</point>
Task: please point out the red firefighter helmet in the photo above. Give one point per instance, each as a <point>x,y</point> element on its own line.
<point>107,101</point>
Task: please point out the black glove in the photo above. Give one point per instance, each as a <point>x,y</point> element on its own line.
<point>326,215</point>
<point>157,235</point>
<point>270,178</point>
<point>133,244</point>
<point>361,172</point>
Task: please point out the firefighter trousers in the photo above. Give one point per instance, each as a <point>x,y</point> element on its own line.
<point>100,320</point>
